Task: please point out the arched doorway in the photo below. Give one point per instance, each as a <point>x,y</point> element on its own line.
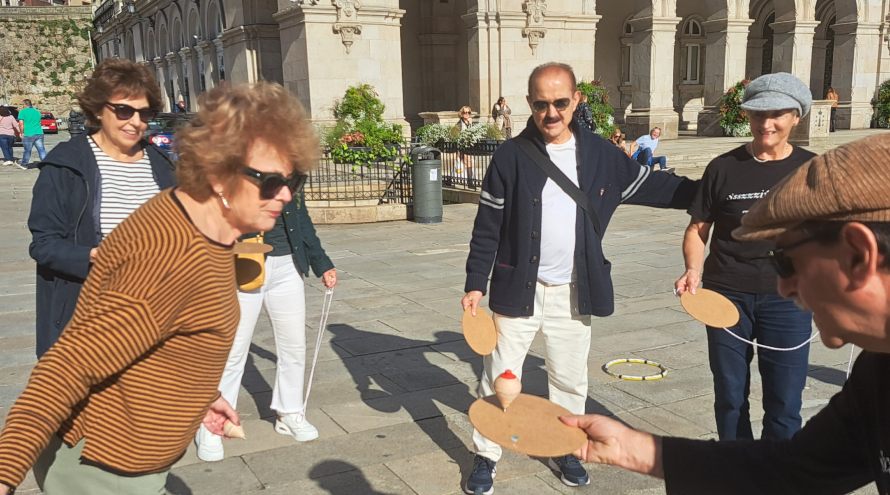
<point>766,64</point>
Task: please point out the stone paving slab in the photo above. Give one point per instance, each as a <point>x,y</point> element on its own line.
<point>395,378</point>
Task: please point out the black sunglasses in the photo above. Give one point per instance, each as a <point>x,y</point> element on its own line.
<point>125,112</point>
<point>782,262</point>
<point>272,182</point>
<point>542,106</point>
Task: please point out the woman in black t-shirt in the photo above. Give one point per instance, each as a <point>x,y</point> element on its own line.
<point>740,271</point>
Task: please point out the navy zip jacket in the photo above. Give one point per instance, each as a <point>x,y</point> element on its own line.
<point>506,234</point>
<point>64,224</point>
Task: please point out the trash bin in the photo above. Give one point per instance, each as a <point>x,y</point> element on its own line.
<point>426,177</point>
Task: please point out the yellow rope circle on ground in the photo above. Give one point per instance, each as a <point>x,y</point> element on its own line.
<point>635,378</point>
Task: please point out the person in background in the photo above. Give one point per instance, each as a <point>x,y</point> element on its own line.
<point>830,222</point>
<point>501,115</point>
<point>180,106</point>
<point>90,184</point>
<point>584,115</point>
<point>741,271</point>
<point>111,406</point>
<point>9,130</point>
<point>295,248</point>
<point>645,154</point>
<point>834,97</point>
<point>32,133</point>
<point>618,138</point>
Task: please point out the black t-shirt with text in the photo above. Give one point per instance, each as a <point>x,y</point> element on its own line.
<point>730,186</point>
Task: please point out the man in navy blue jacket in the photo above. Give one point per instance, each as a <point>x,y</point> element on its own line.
<point>545,257</point>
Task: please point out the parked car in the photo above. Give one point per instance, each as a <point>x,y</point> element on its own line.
<point>162,128</point>
<point>48,123</point>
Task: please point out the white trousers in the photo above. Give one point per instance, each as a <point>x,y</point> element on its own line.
<point>567,345</point>
<point>284,298</point>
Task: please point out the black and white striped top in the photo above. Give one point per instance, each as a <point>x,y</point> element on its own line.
<point>125,186</point>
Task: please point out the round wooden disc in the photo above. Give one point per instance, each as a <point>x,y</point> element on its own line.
<point>710,308</point>
<point>530,425</point>
<point>479,331</point>
<point>251,248</point>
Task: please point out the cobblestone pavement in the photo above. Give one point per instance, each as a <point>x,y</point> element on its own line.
<point>394,376</point>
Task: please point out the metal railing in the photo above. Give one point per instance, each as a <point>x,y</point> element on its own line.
<point>464,169</point>
<point>360,185</point>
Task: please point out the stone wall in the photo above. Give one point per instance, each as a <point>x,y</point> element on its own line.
<point>45,55</point>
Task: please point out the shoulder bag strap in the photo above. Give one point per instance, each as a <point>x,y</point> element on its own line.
<point>555,174</point>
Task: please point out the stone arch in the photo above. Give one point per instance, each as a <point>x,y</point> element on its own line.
<point>214,24</point>
<point>823,47</point>
<point>151,44</point>
<point>613,56</point>
<point>689,73</point>
<point>176,34</point>
<point>193,27</point>
<point>163,39</point>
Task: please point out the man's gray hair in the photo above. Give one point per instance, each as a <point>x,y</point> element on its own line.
<point>552,65</point>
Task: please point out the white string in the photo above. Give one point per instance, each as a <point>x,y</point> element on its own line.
<point>755,344</point>
<point>322,325</point>
<point>850,361</point>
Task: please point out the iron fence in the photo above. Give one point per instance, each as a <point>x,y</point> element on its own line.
<point>464,169</point>
<point>360,184</point>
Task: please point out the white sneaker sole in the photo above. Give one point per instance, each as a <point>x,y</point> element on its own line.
<point>299,436</point>
<point>494,473</point>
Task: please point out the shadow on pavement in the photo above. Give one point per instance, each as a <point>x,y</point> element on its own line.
<point>348,480</point>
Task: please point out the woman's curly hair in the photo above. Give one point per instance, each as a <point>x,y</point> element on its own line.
<point>215,143</point>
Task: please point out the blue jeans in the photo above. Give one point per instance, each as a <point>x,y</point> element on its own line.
<point>6,145</point>
<point>771,320</point>
<point>644,157</point>
<point>29,141</point>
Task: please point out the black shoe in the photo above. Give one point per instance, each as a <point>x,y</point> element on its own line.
<point>481,480</point>
<point>573,473</point>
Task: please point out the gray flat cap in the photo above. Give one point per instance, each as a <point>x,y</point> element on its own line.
<point>779,91</point>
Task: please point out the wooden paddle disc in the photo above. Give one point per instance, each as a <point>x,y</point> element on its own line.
<point>530,425</point>
<point>479,331</point>
<point>711,308</point>
<point>251,248</point>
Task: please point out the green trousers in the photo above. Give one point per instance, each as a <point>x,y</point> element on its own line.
<point>59,471</point>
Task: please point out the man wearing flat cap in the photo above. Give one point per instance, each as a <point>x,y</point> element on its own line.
<point>830,220</point>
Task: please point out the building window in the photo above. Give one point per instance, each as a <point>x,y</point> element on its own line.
<point>693,54</point>
<point>691,40</point>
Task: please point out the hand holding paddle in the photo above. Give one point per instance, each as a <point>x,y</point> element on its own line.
<point>688,282</point>
<point>471,300</point>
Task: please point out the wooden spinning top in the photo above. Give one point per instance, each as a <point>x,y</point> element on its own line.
<point>507,387</point>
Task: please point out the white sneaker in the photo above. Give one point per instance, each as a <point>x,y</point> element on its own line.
<point>210,446</point>
<point>296,426</point>
<point>8,163</point>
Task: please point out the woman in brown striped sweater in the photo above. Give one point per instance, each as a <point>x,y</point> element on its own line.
<point>116,401</point>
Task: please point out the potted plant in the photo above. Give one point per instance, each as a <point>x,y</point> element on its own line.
<point>881,104</point>
<point>732,119</point>
<point>361,136</point>
<point>598,99</point>
<point>435,134</point>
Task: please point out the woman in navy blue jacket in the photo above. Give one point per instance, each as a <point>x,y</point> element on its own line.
<point>90,184</point>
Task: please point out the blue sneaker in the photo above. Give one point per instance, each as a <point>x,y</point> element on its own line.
<point>573,473</point>
<point>481,480</point>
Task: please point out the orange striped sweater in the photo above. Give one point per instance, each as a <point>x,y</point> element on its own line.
<point>136,368</point>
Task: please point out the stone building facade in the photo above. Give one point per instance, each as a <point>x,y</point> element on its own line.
<point>664,62</point>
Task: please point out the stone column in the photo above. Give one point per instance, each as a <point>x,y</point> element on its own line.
<point>724,65</point>
<point>190,74</point>
<point>506,44</point>
<point>174,68</point>
<point>207,61</point>
<point>252,53</point>
<point>793,48</point>
<point>161,70</point>
<point>221,69</point>
<point>344,42</point>
<point>857,52</point>
<point>653,77</point>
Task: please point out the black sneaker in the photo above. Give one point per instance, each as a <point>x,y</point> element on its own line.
<point>573,473</point>
<point>481,480</point>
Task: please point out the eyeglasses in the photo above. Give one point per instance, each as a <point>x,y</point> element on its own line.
<point>542,106</point>
<point>125,112</point>
<point>465,113</point>
<point>271,182</point>
<point>782,262</point>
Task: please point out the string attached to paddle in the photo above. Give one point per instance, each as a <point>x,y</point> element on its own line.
<point>771,348</point>
<point>635,378</point>
<point>322,325</point>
